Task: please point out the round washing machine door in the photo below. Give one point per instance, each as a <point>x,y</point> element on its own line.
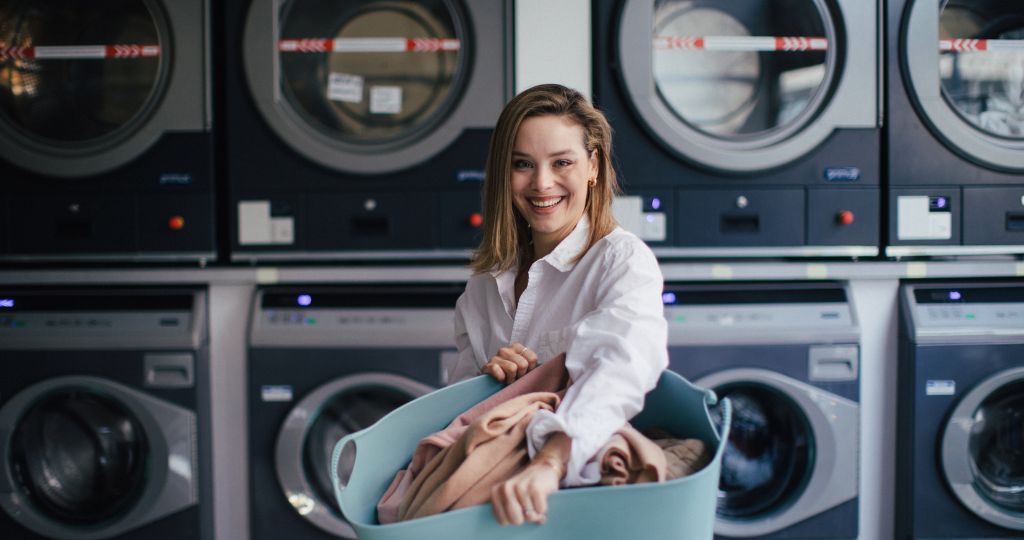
<point>310,431</point>
<point>964,64</point>
<point>88,458</point>
<point>983,450</point>
<point>86,87</point>
<point>791,454</point>
<point>368,86</point>
<point>745,86</point>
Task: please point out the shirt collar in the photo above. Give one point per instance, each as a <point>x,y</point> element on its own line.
<point>563,256</point>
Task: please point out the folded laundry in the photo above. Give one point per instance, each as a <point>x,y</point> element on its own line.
<point>457,467</point>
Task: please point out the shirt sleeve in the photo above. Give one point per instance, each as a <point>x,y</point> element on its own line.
<point>614,355</point>
<point>469,359</point>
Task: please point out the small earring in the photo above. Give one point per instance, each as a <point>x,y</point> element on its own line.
<point>592,182</point>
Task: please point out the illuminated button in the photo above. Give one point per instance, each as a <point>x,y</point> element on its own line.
<point>476,220</point>
<point>176,223</point>
<point>845,217</point>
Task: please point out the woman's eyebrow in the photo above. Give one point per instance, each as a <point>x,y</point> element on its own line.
<point>517,153</point>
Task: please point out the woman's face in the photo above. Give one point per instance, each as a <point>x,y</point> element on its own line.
<point>550,169</point>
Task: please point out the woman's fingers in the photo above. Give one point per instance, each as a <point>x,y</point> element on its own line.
<point>523,498</point>
<point>494,370</point>
<point>498,505</point>
<point>539,505</point>
<point>523,357</point>
<point>511,363</point>
<point>507,509</point>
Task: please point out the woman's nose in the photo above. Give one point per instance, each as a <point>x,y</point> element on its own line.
<point>543,179</point>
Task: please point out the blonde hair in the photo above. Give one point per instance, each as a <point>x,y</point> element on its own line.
<point>506,234</point>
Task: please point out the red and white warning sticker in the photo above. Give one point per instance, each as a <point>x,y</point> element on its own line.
<point>368,45</point>
<point>970,45</point>
<point>78,52</point>
<point>740,43</point>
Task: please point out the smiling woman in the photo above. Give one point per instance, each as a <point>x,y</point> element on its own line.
<point>555,275</point>
<point>551,174</point>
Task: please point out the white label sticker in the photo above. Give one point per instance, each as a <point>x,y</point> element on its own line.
<point>385,99</point>
<point>276,393</point>
<point>940,388</point>
<point>654,227</point>
<point>916,221</point>
<point>282,230</point>
<point>721,271</point>
<point>344,87</point>
<point>254,222</point>
<point>629,211</point>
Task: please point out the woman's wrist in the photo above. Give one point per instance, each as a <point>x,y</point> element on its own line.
<point>555,453</point>
<point>550,462</point>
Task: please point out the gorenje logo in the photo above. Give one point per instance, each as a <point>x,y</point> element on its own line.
<point>175,179</point>
<point>6,302</point>
<point>470,176</point>
<point>842,174</point>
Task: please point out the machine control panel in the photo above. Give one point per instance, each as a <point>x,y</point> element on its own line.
<point>981,308</point>
<point>355,316</point>
<point>24,314</point>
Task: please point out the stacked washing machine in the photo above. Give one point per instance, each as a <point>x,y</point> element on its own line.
<point>961,410</point>
<point>787,355</point>
<point>326,361</point>
<point>105,144</point>
<point>360,129</point>
<point>743,128</point>
<point>104,414</point>
<point>955,127</point>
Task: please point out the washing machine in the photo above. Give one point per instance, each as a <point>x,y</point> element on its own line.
<point>326,361</point>
<point>105,144</point>
<point>743,128</point>
<point>955,127</point>
<point>104,414</point>
<point>787,356</point>
<point>960,444</point>
<point>359,130</point>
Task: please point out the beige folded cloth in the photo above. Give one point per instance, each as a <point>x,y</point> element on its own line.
<point>683,457</point>
<point>631,458</point>
<point>491,450</point>
<point>551,376</point>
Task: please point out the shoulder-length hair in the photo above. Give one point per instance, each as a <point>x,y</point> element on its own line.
<point>506,234</point>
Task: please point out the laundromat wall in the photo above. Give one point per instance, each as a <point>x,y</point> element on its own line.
<point>880,167</point>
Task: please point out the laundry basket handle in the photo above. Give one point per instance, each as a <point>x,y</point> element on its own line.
<point>723,427</point>
<point>344,462</point>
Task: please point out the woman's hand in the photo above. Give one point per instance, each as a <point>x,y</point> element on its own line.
<point>511,363</point>
<point>525,495</point>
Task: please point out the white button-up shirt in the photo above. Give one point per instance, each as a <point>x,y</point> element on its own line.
<point>604,312</point>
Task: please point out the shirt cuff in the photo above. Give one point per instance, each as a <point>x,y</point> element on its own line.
<point>581,470</point>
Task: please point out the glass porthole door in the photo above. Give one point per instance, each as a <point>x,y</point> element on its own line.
<point>967,76</point>
<point>86,87</point>
<point>747,85</point>
<point>364,87</point>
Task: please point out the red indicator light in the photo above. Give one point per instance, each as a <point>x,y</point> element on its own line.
<point>176,223</point>
<point>845,217</point>
<point>476,220</point>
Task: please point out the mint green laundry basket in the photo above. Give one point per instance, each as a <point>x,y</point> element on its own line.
<point>364,464</point>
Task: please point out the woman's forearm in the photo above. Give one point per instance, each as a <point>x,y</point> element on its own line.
<point>555,453</point>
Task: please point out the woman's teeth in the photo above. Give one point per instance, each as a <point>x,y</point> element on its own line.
<point>546,202</point>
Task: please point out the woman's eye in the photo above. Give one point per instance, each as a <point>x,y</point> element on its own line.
<point>521,164</point>
<point>562,163</point>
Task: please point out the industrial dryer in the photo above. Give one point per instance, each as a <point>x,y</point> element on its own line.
<point>743,128</point>
<point>106,150</point>
<point>360,129</point>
